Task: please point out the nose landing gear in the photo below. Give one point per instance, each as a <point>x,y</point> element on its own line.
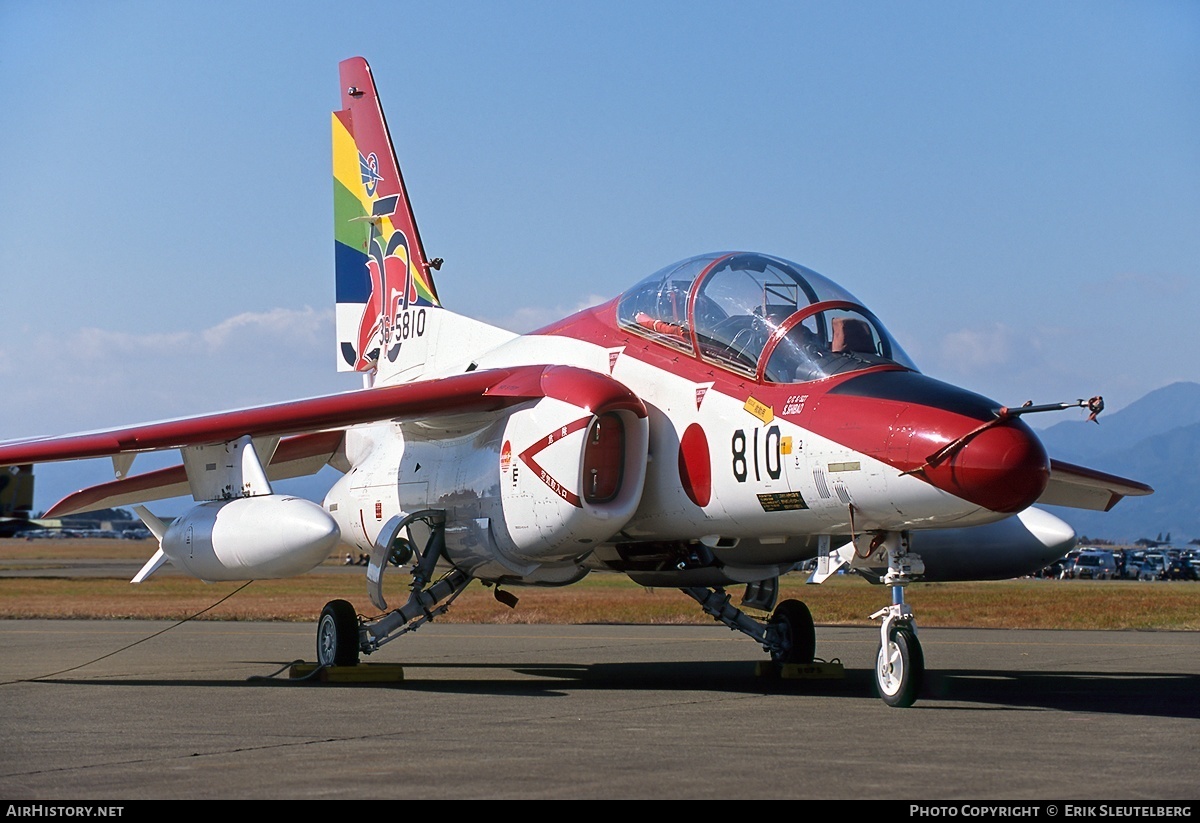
<point>883,557</point>
<point>899,661</point>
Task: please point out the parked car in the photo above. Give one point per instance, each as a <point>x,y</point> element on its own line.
<point>1067,563</point>
<point>1183,568</point>
<point>1055,570</point>
<point>1153,566</point>
<point>1093,565</point>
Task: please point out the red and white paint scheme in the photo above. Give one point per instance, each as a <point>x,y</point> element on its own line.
<point>727,420</point>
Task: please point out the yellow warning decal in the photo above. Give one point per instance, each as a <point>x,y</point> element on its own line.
<point>760,410</point>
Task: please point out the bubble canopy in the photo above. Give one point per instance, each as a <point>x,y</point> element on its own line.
<point>760,316</point>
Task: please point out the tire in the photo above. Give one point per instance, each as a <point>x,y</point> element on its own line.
<point>900,669</point>
<point>800,636</point>
<point>337,635</point>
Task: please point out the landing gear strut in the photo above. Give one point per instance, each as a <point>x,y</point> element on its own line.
<point>789,635</point>
<point>341,635</point>
<point>899,661</point>
<point>883,557</point>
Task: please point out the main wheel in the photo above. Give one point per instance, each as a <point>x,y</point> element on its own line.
<point>337,635</point>
<point>900,668</point>
<point>799,634</point>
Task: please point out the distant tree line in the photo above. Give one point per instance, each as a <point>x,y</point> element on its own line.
<point>1144,542</point>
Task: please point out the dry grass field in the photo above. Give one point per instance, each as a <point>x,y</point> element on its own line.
<point>848,600</point>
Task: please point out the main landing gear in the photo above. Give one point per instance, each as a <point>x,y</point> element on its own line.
<point>342,635</point>
<point>789,636</point>
<point>337,635</point>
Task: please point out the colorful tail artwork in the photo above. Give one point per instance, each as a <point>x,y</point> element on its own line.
<point>384,281</point>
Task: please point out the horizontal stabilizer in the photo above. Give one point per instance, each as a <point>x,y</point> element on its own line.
<point>1082,488</point>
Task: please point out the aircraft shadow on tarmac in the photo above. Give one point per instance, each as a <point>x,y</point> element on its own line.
<point>1124,693</point>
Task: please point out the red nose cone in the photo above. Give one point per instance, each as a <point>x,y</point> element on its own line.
<point>1003,468</point>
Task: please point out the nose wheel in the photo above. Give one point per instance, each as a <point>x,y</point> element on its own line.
<point>899,666</point>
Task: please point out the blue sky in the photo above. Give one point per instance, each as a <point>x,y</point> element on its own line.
<point>1013,188</point>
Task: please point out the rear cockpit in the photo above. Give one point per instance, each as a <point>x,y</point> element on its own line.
<point>760,316</point>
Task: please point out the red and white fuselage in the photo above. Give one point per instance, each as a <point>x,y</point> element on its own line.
<point>672,446</point>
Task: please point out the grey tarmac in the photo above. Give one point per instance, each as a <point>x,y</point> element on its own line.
<point>130,710</point>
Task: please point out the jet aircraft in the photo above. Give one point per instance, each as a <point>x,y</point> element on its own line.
<point>16,505</point>
<point>728,419</point>
<point>16,500</point>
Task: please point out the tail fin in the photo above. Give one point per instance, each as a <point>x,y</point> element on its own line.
<point>16,491</point>
<point>384,281</point>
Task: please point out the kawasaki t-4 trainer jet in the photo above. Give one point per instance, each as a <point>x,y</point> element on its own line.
<point>727,420</point>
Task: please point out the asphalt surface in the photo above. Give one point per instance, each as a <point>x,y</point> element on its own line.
<point>123,711</point>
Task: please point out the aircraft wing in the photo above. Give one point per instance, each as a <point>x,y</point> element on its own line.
<point>297,456</point>
<point>472,392</point>
<point>1082,488</point>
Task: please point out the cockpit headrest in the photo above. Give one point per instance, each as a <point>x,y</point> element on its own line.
<point>852,334</point>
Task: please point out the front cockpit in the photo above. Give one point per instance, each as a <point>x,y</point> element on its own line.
<point>760,316</point>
